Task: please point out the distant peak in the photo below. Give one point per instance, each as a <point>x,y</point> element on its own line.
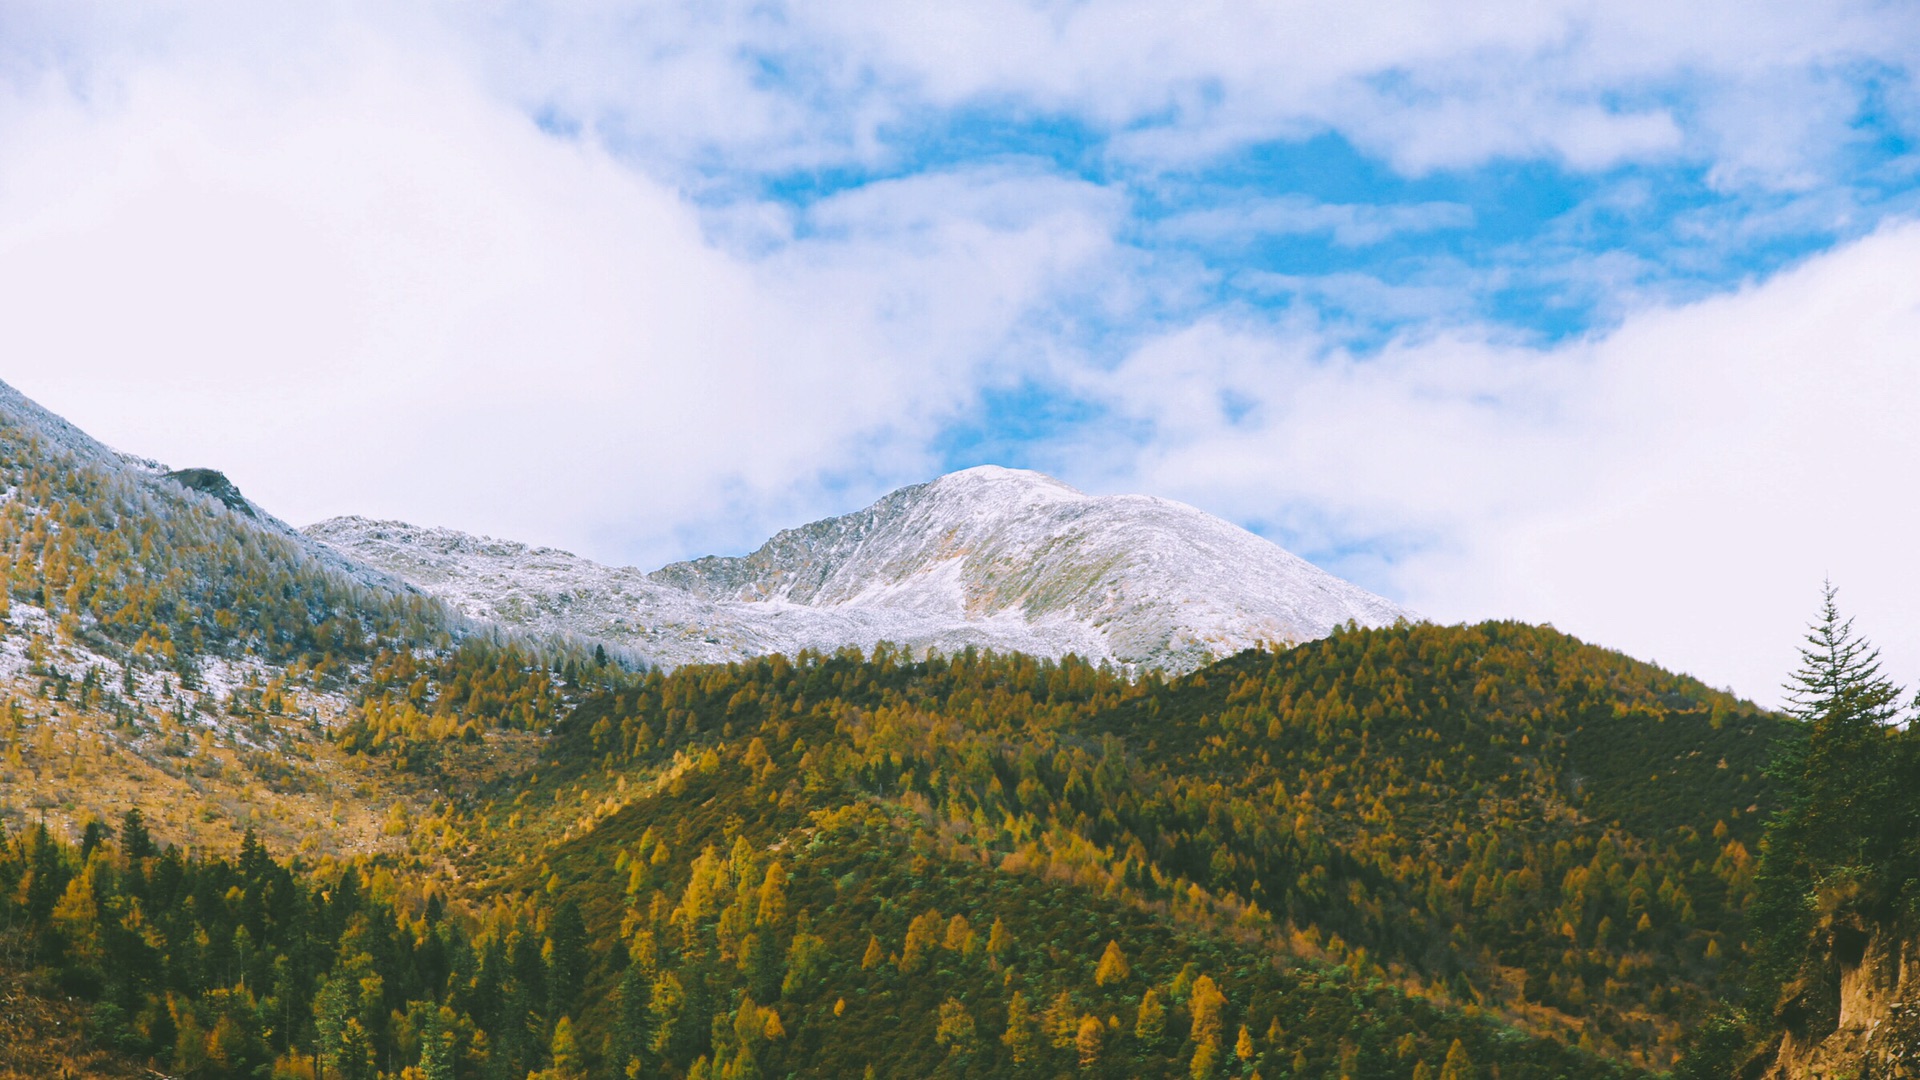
<point>1002,474</point>
<point>1003,478</point>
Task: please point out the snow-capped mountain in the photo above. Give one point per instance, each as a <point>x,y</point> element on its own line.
<point>990,557</point>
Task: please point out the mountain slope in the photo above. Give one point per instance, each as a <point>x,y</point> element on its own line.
<point>1387,853</point>
<point>165,643</point>
<point>1483,815</point>
<point>1368,856</point>
<point>988,557</point>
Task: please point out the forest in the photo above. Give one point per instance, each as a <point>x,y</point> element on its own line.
<point>1416,852</point>
<point>1356,853</point>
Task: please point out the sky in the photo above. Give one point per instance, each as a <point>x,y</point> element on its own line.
<point>1602,315</point>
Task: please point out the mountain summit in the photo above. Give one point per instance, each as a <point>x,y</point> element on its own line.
<point>989,557</point>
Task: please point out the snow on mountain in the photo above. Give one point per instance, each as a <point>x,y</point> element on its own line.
<point>59,437</point>
<point>990,557</point>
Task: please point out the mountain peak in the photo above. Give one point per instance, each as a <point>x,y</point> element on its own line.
<point>999,476</point>
<point>991,557</point>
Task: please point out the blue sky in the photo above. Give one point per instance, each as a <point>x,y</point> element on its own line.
<point>1555,311</point>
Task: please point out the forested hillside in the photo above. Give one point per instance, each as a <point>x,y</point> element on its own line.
<point>1835,918</point>
<point>1359,851</point>
<point>151,571</point>
<point>266,814</point>
<point>1494,817</point>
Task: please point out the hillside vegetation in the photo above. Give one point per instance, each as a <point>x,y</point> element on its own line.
<point>1369,847</point>
<point>261,815</point>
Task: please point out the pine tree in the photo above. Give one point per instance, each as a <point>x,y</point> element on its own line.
<point>135,841</point>
<point>1845,775</point>
<point>1113,966</point>
<point>1835,840</point>
<point>436,1047</point>
<point>1458,1065</point>
<point>566,958</point>
<point>630,1024</point>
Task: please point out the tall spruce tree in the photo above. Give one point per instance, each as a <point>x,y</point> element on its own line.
<point>1830,846</point>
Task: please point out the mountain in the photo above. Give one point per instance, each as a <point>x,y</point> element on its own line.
<point>267,809</point>
<point>166,643</point>
<point>989,557</point>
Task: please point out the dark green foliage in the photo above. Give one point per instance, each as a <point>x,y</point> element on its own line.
<point>1423,806</point>
<point>863,874</point>
<point>217,969</point>
<point>1841,855</point>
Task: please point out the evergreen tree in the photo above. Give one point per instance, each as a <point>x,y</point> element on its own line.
<point>135,841</point>
<point>1831,849</point>
<point>566,958</point>
<point>630,1028</point>
<point>436,1048</point>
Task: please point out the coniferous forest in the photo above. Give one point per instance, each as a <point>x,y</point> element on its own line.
<point>1415,852</point>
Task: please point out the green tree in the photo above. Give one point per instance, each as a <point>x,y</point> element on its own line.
<point>566,958</point>
<point>332,1009</point>
<point>135,841</point>
<point>436,1047</point>
<point>1831,851</point>
<point>630,1024</point>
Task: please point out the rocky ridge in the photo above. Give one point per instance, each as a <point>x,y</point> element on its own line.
<point>988,557</point>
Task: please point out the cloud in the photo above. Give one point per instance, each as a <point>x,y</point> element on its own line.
<point>1677,488</point>
<point>651,280</point>
<point>1753,87</point>
<point>362,283</point>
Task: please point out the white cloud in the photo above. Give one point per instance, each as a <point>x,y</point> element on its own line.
<point>1753,87</point>
<point>329,250</point>
<point>1677,488</point>
<point>362,284</point>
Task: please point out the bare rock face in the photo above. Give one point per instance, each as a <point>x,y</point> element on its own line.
<point>1879,1031</point>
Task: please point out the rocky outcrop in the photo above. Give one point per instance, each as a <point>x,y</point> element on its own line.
<point>215,483</point>
<point>1878,1036</point>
